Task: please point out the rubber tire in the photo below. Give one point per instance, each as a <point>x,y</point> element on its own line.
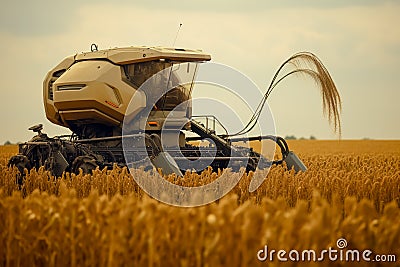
<point>87,163</point>
<point>22,163</point>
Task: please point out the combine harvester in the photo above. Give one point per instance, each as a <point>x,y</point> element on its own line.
<point>95,93</point>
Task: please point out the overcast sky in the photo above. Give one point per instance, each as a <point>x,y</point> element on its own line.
<point>358,41</point>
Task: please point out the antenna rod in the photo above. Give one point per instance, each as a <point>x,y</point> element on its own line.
<point>180,25</point>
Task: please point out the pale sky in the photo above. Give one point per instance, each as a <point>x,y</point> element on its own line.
<point>358,41</point>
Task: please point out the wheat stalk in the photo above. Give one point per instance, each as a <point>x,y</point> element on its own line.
<point>306,63</point>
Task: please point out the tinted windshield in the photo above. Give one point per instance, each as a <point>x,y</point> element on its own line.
<point>138,73</point>
<point>179,77</point>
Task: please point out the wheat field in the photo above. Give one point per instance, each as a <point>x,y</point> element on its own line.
<point>351,190</point>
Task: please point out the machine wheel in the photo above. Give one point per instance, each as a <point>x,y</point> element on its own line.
<point>87,163</point>
<point>21,162</point>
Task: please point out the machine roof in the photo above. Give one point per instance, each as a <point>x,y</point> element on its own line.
<point>128,55</point>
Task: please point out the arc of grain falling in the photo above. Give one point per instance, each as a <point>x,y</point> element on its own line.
<point>306,63</point>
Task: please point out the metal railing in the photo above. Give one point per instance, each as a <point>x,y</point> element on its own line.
<point>210,123</point>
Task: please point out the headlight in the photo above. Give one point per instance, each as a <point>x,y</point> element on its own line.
<point>70,87</point>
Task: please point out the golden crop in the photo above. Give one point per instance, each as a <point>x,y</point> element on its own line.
<point>351,190</point>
